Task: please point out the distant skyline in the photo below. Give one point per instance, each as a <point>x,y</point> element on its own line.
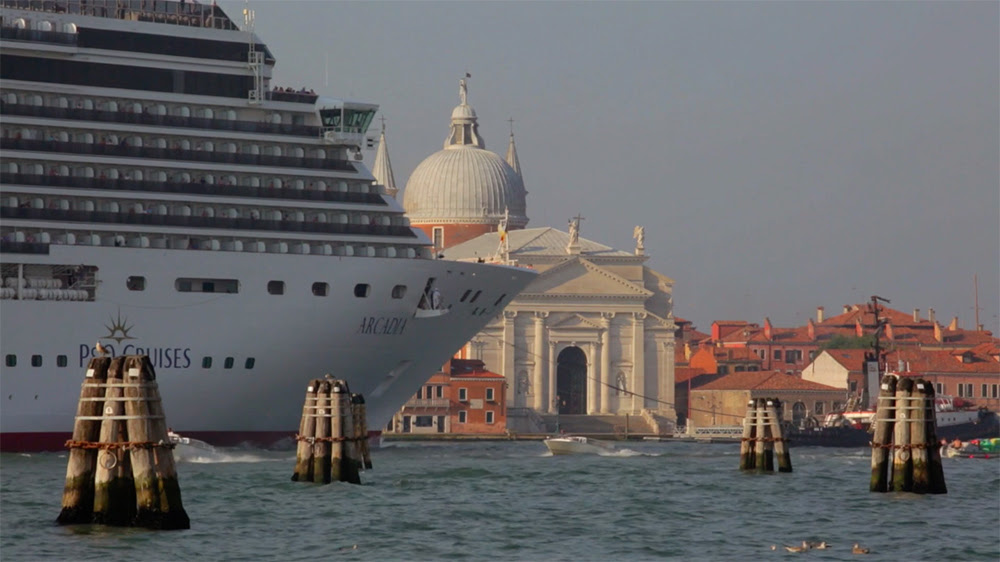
<point>780,155</point>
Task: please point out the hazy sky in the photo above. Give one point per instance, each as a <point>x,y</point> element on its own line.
<point>781,155</point>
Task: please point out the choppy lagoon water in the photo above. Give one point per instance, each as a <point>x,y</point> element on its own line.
<point>513,501</point>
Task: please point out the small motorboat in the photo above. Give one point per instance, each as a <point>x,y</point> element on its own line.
<point>975,449</point>
<point>577,445</point>
<point>186,448</point>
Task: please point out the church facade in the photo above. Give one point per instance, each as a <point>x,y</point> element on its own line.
<point>592,335</point>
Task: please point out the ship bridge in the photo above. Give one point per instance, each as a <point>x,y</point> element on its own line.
<point>345,122</point>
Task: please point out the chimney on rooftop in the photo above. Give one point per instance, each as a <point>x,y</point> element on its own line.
<point>768,330</point>
<point>819,314</point>
<point>930,315</point>
<point>938,336</point>
<point>847,308</point>
<point>980,327</point>
<point>916,315</point>
<point>954,324</point>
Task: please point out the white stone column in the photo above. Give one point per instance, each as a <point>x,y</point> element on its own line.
<point>607,378</point>
<point>509,370</point>
<point>552,407</point>
<point>593,382</point>
<point>638,383</point>
<point>540,397</point>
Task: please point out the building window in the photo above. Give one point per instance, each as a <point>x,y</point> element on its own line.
<point>423,421</point>
<point>793,355</point>
<point>836,407</point>
<point>854,386</point>
<point>36,360</point>
<point>968,390</point>
<point>206,362</point>
<point>135,283</point>
<point>463,416</point>
<point>463,395</point>
<point>440,391</point>
<point>995,391</point>
<point>62,361</point>
<point>276,287</point>
<point>420,393</point>
<point>818,409</point>
<point>399,291</point>
<point>489,416</point>
<point>739,369</point>
<point>961,390</point>
<point>984,395</point>
<point>939,387</point>
<point>250,363</point>
<point>777,355</point>
<point>321,289</point>
<point>361,290</point>
<point>438,237</point>
<point>489,394</point>
<point>229,363</point>
<point>812,355</point>
<point>723,370</point>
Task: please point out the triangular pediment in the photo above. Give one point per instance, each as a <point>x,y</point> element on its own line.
<point>575,321</point>
<point>580,277</point>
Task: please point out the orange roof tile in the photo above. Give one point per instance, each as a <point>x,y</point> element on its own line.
<point>764,380</point>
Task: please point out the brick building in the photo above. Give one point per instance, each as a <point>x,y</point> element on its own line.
<point>464,398</point>
<point>723,402</point>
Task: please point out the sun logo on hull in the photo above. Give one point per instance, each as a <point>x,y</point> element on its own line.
<point>118,329</point>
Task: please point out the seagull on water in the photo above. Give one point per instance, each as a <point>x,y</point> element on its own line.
<point>819,545</point>
<point>803,548</point>
<point>858,549</point>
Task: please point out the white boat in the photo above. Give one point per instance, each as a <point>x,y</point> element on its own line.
<point>578,445</point>
<point>160,196</point>
<point>186,448</point>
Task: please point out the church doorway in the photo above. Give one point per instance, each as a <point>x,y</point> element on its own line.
<point>571,381</point>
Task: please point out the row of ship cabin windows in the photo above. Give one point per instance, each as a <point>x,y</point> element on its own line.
<point>162,176</point>
<point>63,361</point>
<point>182,210</point>
<point>232,286</point>
<point>212,244</point>
<point>221,146</point>
<point>134,106</point>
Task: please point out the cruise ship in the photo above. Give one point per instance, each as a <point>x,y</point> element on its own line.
<point>161,196</point>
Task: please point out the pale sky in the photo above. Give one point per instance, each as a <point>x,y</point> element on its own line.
<point>781,155</point>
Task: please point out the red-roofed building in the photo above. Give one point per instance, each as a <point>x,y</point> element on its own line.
<point>464,398</point>
<point>686,378</point>
<point>724,360</point>
<point>839,368</point>
<point>971,374</point>
<point>724,400</point>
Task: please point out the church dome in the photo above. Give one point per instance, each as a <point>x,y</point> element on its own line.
<point>464,183</point>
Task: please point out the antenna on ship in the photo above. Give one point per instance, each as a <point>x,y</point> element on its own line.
<point>255,59</point>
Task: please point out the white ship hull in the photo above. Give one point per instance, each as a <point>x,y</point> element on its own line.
<point>374,343</point>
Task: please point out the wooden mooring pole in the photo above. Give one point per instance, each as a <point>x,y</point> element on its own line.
<point>905,424</point>
<point>78,495</point>
<point>332,440</point>
<point>763,437</point>
<point>749,432</point>
<point>121,469</point>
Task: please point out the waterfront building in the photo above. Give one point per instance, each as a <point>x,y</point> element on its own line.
<point>463,399</point>
<point>723,402</point>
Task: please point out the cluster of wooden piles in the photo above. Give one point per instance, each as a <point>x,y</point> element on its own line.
<point>762,437</point>
<point>333,435</point>
<point>906,456</point>
<point>121,465</point>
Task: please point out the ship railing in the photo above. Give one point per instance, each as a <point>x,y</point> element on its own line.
<point>151,219</point>
<point>9,247</point>
<point>296,97</point>
<point>151,186</point>
<point>122,116</point>
<point>129,151</point>
<point>18,34</point>
<point>175,12</point>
